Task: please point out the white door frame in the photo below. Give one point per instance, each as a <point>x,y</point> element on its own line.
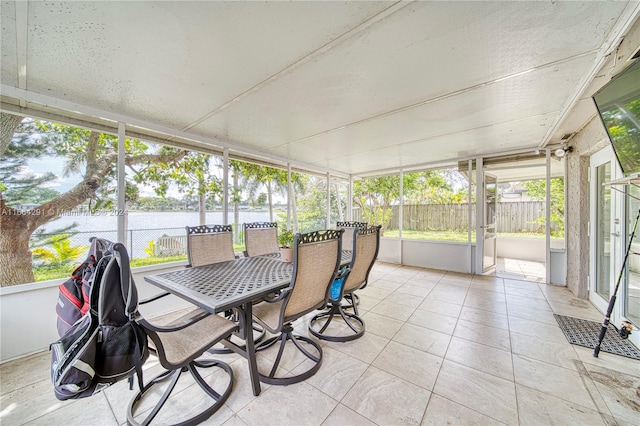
<point>616,229</point>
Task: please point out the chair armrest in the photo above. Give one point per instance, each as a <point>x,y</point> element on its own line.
<point>177,324</point>
<point>277,296</point>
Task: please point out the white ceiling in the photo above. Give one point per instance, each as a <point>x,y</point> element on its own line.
<point>351,87</point>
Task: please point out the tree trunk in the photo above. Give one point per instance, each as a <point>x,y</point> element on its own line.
<point>269,199</point>
<point>8,125</point>
<point>15,256</point>
<point>202,209</point>
<point>294,212</point>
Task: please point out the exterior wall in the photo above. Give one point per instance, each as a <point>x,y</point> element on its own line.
<point>591,139</point>
<point>28,312</point>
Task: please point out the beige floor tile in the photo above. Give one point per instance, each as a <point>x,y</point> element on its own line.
<point>393,310</point>
<point>386,399</point>
<point>482,392</point>
<point>553,380</point>
<point>367,302</point>
<point>484,334</point>
<point>448,293</point>
<point>528,292</point>
<point>537,329</point>
<point>442,308</point>
<point>579,309</point>
<point>242,393</point>
<point>529,313</point>
<point>380,325</point>
<point>386,283</point>
<point>396,278</point>
<point>342,416</point>
<point>485,304</point>
<point>610,361</point>
<point>234,421</point>
<point>442,411</point>
<point>484,294</point>
<point>366,348</point>
<point>560,354</point>
<point>297,404</point>
<point>376,292</point>
<point>537,408</point>
<point>495,285</point>
<point>29,402</point>
<point>541,304</point>
<point>337,374</point>
<point>24,371</point>
<point>433,321</point>
<point>404,299</point>
<point>88,411</point>
<point>620,391</point>
<point>519,283</point>
<point>410,364</point>
<point>421,338</point>
<point>416,289</point>
<point>479,316</point>
<point>481,357</point>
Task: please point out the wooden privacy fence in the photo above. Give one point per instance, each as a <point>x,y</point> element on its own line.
<point>510,217</point>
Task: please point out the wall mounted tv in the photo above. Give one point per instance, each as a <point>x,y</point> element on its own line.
<point>618,104</point>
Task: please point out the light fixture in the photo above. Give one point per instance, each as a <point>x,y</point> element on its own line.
<point>561,152</point>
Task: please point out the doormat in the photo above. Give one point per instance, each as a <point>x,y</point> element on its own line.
<point>585,333</point>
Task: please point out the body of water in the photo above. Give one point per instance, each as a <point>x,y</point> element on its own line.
<point>87,222</point>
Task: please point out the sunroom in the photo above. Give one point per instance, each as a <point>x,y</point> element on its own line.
<point>471,123</point>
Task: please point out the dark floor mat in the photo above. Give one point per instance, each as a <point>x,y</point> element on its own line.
<point>585,333</point>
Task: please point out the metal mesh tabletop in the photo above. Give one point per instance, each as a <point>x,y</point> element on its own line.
<point>224,285</point>
<point>345,256</point>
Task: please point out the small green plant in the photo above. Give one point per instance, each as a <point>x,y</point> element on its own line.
<point>285,238</point>
<point>150,248</point>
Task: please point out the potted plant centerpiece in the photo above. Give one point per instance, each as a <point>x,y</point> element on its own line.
<point>285,241</point>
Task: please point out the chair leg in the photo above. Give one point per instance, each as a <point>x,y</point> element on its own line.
<point>299,342</point>
<point>219,399</point>
<point>319,323</point>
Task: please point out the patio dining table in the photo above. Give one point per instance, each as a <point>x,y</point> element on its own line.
<point>234,284</point>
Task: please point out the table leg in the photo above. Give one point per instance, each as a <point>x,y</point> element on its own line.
<point>250,348</point>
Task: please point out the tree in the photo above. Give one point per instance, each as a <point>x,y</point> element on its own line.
<point>537,190</point>
<point>91,154</point>
<point>192,173</point>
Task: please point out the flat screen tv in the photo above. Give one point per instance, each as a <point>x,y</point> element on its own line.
<point>618,104</point>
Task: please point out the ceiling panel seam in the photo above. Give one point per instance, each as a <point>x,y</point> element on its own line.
<point>440,98</point>
<point>303,60</point>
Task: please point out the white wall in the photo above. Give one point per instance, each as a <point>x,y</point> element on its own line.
<point>448,256</point>
<point>28,311</point>
<point>389,250</point>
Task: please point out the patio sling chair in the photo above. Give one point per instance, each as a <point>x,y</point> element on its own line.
<point>315,264</point>
<point>365,250</point>
<point>177,344</point>
<point>260,238</point>
<point>207,244</point>
<point>347,244</point>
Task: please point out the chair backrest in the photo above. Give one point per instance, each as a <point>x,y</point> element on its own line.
<point>316,257</point>
<point>365,252</point>
<point>347,237</point>
<point>260,238</point>
<point>207,244</point>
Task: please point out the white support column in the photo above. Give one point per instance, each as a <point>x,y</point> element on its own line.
<point>350,199</point>
<point>479,215</point>
<point>469,211</point>
<point>122,206</point>
<point>328,200</point>
<point>289,195</point>
<point>547,217</point>
<point>225,187</point>
<point>401,209</point>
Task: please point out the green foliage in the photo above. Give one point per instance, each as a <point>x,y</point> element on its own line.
<point>58,251</point>
<point>285,237</point>
<point>536,189</point>
<point>149,249</point>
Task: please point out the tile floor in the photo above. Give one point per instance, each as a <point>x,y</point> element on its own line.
<point>440,348</point>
